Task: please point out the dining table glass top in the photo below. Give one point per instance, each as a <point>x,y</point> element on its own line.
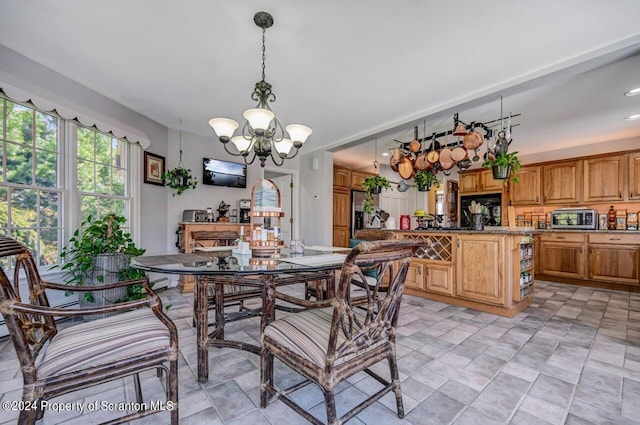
<point>225,261</point>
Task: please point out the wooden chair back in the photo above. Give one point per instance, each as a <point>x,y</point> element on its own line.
<point>370,319</point>
<point>29,332</point>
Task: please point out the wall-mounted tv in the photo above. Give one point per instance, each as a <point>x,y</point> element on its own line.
<point>224,173</point>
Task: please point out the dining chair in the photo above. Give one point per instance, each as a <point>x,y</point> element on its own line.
<point>56,361</point>
<point>336,338</point>
<point>234,293</point>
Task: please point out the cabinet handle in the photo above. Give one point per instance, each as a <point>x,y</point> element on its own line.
<point>426,271</point>
<point>561,237</point>
<point>590,250</point>
<point>630,194</point>
<point>614,239</point>
<point>620,195</point>
<point>580,250</point>
<point>545,198</point>
<point>419,271</point>
<point>536,198</point>
<point>458,242</point>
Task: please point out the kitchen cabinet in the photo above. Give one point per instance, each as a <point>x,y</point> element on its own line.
<point>341,218</point>
<point>439,278</point>
<point>415,275</point>
<point>527,190</point>
<point>604,178</point>
<point>481,268</point>
<point>341,178</point>
<point>634,176</point>
<point>357,178</point>
<point>614,258</point>
<point>562,182</point>
<point>479,181</point>
<point>562,254</point>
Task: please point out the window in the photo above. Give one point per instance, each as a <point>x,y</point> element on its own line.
<point>45,194</point>
<point>30,191</point>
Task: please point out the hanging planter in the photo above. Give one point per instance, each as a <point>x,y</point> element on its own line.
<point>373,185</point>
<point>425,179</point>
<point>180,178</point>
<point>502,165</point>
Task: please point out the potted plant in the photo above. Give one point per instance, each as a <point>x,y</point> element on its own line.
<point>99,252</point>
<point>503,165</point>
<point>180,178</point>
<point>373,185</point>
<point>425,179</point>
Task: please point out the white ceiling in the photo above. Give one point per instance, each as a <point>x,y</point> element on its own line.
<point>352,70</point>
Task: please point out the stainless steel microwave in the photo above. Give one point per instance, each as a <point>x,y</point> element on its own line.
<point>574,218</point>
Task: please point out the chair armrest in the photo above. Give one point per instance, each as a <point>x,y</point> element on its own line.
<point>101,287</point>
<point>12,307</point>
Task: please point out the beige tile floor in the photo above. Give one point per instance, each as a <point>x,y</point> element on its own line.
<point>573,357</point>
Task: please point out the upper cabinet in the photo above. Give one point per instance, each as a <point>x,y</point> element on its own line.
<point>634,176</point>
<point>562,182</point>
<point>341,178</point>
<point>604,178</point>
<point>479,181</point>
<point>527,190</point>
<point>357,178</point>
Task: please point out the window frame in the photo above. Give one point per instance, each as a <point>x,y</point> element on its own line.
<point>69,207</point>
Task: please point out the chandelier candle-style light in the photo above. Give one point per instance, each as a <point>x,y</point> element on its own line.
<point>262,133</point>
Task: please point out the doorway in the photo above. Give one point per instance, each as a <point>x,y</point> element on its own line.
<point>284,180</point>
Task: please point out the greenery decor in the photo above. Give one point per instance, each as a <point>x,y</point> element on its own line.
<point>180,178</point>
<point>373,185</point>
<point>97,237</point>
<point>504,165</point>
<point>425,179</point>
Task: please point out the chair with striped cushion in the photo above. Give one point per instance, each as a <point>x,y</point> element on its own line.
<point>336,338</point>
<point>59,361</point>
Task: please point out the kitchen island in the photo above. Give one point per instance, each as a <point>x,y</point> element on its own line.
<point>489,270</point>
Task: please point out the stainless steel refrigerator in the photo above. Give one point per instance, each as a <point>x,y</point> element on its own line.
<point>360,219</point>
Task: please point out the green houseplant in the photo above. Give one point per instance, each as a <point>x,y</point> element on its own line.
<point>373,185</point>
<point>99,252</point>
<point>425,179</point>
<point>504,165</point>
<point>180,178</point>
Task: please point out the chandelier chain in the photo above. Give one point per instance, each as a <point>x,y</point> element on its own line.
<point>264,55</point>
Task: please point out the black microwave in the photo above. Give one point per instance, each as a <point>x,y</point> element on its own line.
<point>574,218</point>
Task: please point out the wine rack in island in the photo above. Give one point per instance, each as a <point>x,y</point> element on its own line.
<point>266,216</point>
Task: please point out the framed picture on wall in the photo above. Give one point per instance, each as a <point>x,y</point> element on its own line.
<point>153,168</point>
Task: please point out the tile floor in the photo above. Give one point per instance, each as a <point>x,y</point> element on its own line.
<point>573,357</point>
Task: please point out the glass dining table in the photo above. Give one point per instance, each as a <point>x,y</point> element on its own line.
<point>220,267</point>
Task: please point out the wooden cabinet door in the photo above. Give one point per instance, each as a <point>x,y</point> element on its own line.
<point>439,278</point>
<point>488,183</point>
<point>527,190</point>
<point>356,179</point>
<point>564,259</point>
<point>415,275</point>
<point>614,263</point>
<point>341,178</point>
<point>604,178</point>
<point>468,182</point>
<point>634,176</point>
<point>341,218</point>
<point>561,182</point>
<point>480,264</point>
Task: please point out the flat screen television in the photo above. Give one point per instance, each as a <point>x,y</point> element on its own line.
<point>216,172</point>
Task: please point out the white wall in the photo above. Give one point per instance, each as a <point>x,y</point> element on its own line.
<point>316,196</point>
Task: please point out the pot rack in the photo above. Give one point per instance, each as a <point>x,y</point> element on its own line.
<point>486,126</point>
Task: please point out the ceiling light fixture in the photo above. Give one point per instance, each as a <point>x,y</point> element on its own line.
<point>262,133</point>
<point>633,117</point>
<point>633,92</point>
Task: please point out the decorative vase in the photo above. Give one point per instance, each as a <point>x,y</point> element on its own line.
<point>477,222</point>
<point>501,172</point>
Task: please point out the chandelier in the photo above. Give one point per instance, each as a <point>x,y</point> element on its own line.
<point>262,133</point>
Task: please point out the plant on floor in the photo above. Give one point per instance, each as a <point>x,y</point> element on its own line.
<point>373,185</point>
<point>106,238</point>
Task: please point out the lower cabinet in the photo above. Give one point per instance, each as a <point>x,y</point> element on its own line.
<point>481,264</point>
<point>614,263</point>
<point>439,278</point>
<point>562,255</point>
<point>415,275</point>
